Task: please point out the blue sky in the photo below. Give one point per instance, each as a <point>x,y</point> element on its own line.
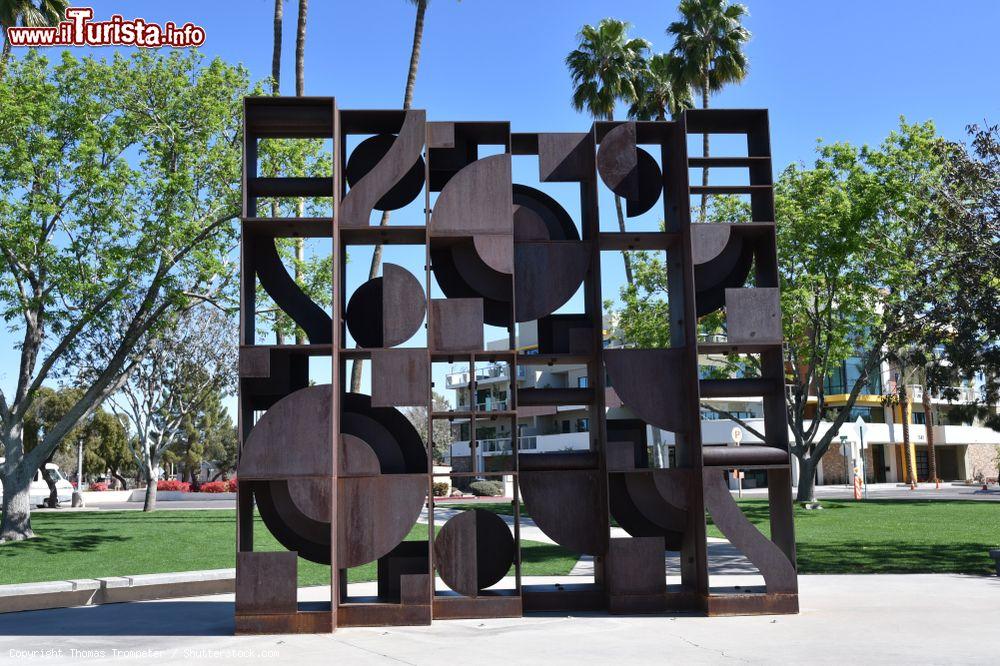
<point>840,71</point>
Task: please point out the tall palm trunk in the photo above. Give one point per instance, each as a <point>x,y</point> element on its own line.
<point>411,80</point>
<point>703,216</point>
<point>621,227</point>
<point>929,427</point>
<point>5,55</point>
<point>279,15</point>
<point>300,90</point>
<point>904,408</point>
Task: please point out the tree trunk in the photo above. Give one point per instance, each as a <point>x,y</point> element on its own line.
<point>704,149</point>
<point>279,15</point>
<point>5,56</point>
<point>411,80</point>
<point>53,500</point>
<point>149,504</point>
<point>807,480</point>
<point>929,427</point>
<point>300,50</point>
<point>120,478</point>
<point>621,227</point>
<point>16,522</point>
<point>910,464</point>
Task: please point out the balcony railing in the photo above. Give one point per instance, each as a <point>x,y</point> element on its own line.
<point>483,374</point>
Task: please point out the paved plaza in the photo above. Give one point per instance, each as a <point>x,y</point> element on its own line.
<point>940,619</point>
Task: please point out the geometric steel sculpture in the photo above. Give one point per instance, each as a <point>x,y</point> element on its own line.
<point>340,478</point>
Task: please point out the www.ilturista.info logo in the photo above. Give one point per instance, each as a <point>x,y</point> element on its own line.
<point>79,30</point>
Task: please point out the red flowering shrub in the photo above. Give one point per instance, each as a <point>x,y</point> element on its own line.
<point>171,484</point>
<point>215,487</point>
<point>231,485</point>
<point>98,487</point>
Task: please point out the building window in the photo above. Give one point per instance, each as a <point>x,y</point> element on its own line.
<point>918,418</point>
<point>565,427</point>
<point>581,382</point>
<point>583,425</point>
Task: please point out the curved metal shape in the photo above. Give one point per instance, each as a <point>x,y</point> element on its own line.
<point>357,205</point>
<point>625,512</point>
<point>366,157</point>
<point>637,376</point>
<point>650,185</point>
<point>473,551</point>
<point>547,275</point>
<point>375,513</point>
<point>708,241</point>
<point>617,161</point>
<point>290,526</point>
<point>645,495</point>
<point>287,294</point>
<point>291,439</point>
<point>403,305</point>
<point>356,457</point>
<point>708,299</point>
<point>406,437</point>
<point>454,285</point>
<point>558,225</point>
<point>476,200</point>
<point>312,497</point>
<point>484,280</point>
<point>566,504</point>
<point>364,313</point>
<point>774,566</point>
<point>496,251</point>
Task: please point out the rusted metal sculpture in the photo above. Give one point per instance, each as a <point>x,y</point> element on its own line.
<point>340,478</point>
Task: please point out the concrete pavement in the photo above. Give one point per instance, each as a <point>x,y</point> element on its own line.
<point>940,619</point>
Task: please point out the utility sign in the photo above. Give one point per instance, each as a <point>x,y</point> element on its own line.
<point>862,429</point>
<point>737,434</point>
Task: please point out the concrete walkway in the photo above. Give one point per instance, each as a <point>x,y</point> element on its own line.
<point>939,619</point>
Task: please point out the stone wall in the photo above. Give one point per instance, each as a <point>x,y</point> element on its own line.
<point>833,465</point>
<point>981,459</point>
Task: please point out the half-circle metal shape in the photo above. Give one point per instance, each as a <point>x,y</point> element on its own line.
<point>288,295</point>
<point>378,438</point>
<point>770,560</point>
<point>357,205</point>
<point>290,526</point>
<point>650,185</point>
<point>547,275</point>
<point>485,281</point>
<point>708,240</point>
<point>476,200</point>
<point>367,155</point>
<point>453,284</point>
<point>567,505</point>
<point>291,439</point>
<point>375,513</point>
<point>386,311</point>
<point>402,431</point>
<point>557,221</point>
<point>617,161</point>
<point>637,376</point>
<point>312,497</point>
<point>473,551</point>
<point>630,517</point>
<point>710,299</point>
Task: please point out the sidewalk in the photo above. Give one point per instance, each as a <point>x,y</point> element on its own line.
<point>939,619</point>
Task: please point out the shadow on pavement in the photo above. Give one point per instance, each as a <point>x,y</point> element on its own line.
<point>148,618</point>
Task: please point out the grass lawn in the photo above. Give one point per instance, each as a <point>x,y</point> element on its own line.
<point>879,536</point>
<point>96,544</point>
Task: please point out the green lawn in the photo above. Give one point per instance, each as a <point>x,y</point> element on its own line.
<point>96,544</point>
<point>889,536</point>
<point>879,536</point>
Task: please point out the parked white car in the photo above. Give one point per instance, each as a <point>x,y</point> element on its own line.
<point>38,492</point>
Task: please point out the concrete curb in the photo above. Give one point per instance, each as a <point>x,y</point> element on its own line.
<point>116,589</point>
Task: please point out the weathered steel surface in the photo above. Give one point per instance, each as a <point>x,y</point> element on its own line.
<point>375,513</point>
<point>266,582</point>
<point>403,305</point>
<point>406,559</point>
<point>397,162</point>
<point>565,157</point>
<point>367,156</point>
<point>356,457</point>
<point>457,324</point>
<point>291,439</point>
<point>753,315</point>
<point>460,607</point>
<point>635,575</point>
<point>747,454</point>
<point>618,163</point>
<point>774,566</point>
<point>546,275</point>
<point>288,295</point>
<point>547,494</point>
<point>708,241</point>
<point>476,200</point>
<point>638,378</point>
<point>400,377</point>
<point>473,551</point>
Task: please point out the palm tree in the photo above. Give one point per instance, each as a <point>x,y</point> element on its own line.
<point>708,46</point>
<point>300,90</point>
<point>279,15</point>
<point>605,67</point>
<point>932,475</point>
<point>27,13</point>
<point>659,91</point>
<point>411,80</point>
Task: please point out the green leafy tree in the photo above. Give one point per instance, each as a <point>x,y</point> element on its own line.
<point>27,13</point>
<point>118,191</point>
<point>207,434</point>
<point>860,242</point>
<point>605,68</point>
<point>106,450</point>
<point>182,371</point>
<point>442,428</point>
<point>708,53</point>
